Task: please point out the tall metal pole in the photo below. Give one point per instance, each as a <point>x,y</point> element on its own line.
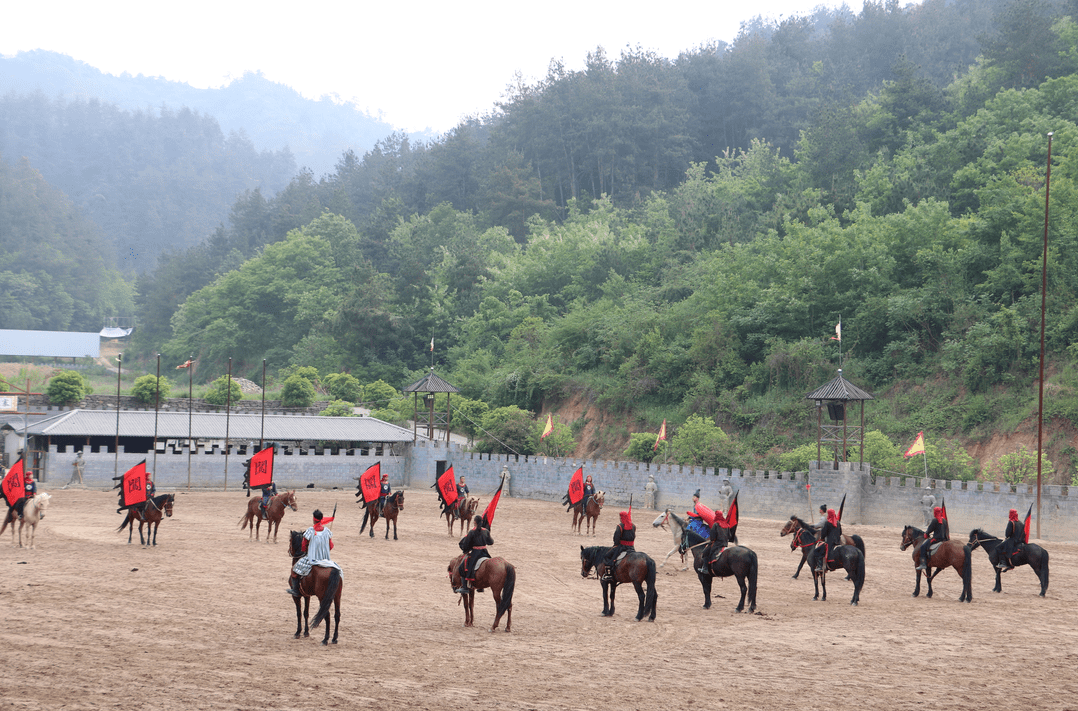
<point>190,394</point>
<point>156,409</point>
<point>228,412</point>
<point>1044,293</point>
<point>262,432</point>
<point>116,446</point>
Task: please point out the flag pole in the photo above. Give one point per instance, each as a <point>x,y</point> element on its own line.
<point>190,394</point>
<point>156,409</point>
<point>262,432</point>
<point>1044,290</point>
<point>119,372</point>
<point>228,413</point>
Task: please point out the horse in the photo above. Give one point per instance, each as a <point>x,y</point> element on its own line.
<point>32,512</point>
<point>150,516</point>
<point>636,568</point>
<point>274,514</point>
<point>394,505</point>
<point>322,582</point>
<point>494,573</point>
<point>684,537</point>
<point>806,535</point>
<point>849,558</point>
<point>467,508</point>
<point>589,517</point>
<point>738,561</point>
<point>1030,554</point>
<point>949,554</point>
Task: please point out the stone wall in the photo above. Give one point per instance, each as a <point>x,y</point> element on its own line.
<point>887,501</point>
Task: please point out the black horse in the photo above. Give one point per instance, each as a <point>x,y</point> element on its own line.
<point>636,568</point>
<point>737,561</point>
<point>1029,554</point>
<point>852,560</point>
<point>805,536</point>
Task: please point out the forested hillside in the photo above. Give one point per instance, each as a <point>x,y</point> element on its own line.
<point>649,239</point>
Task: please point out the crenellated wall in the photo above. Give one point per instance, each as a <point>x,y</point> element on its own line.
<point>888,501</point>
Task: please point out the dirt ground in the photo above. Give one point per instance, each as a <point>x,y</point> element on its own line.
<point>202,621</point>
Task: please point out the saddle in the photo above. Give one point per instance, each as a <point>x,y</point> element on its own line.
<point>935,547</point>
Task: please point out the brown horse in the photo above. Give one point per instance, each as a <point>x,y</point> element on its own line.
<point>589,517</point>
<point>32,512</point>
<point>636,568</point>
<point>274,514</point>
<point>494,573</point>
<point>462,512</point>
<point>150,516</point>
<point>805,536</point>
<point>322,582</point>
<point>394,505</point>
<point>949,554</point>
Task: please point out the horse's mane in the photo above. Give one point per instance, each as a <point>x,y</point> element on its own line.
<point>595,554</point>
<point>916,531</point>
<point>980,532</point>
<point>801,522</point>
<point>161,499</point>
<point>678,520</point>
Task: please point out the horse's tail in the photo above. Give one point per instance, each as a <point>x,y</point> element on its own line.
<point>652,595</point>
<point>860,544</point>
<point>124,524</point>
<point>8,518</point>
<point>754,570</point>
<point>244,519</point>
<point>859,569</point>
<point>327,599</point>
<point>507,589</point>
<point>366,515</point>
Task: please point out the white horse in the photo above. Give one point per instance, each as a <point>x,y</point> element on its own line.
<point>32,512</point>
<point>676,525</point>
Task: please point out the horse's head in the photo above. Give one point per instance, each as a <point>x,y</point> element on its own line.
<point>42,501</point>
<point>910,536</point>
<point>295,543</point>
<point>586,563</point>
<point>398,498</point>
<point>599,498</point>
<point>976,536</point>
<point>661,519</point>
<point>790,527</point>
<point>169,501</point>
<point>454,572</point>
<point>290,500</point>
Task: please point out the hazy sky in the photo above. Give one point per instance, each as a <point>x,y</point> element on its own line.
<point>416,65</point>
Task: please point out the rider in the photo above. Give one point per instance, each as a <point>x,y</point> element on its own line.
<point>384,493</point>
<point>317,544</point>
<point>462,492</point>
<point>717,535</point>
<point>624,540</point>
<point>937,531</point>
<point>830,536</point>
<point>589,491</point>
<point>268,492</point>
<point>1014,539</point>
<point>474,544</point>
<point>823,517</point>
<point>30,491</point>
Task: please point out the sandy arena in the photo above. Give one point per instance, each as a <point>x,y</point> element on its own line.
<point>202,621</point>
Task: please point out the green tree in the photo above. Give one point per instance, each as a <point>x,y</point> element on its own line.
<point>701,443</point>
<point>379,394</point>
<point>558,443</point>
<point>218,394</point>
<point>146,388</point>
<point>1019,466</point>
<point>641,447</point>
<point>338,408</point>
<point>343,386</point>
<point>66,387</point>
<point>297,391</point>
<point>508,430</point>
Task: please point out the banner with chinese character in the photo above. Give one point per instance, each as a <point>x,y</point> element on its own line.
<point>447,488</point>
<point>370,482</point>
<point>132,486</point>
<point>261,469</point>
<point>14,484</point>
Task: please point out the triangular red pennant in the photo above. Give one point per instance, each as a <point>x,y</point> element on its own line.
<point>14,484</point>
<point>447,488</point>
<point>262,469</point>
<point>489,513</point>
<point>730,520</point>
<point>132,485</point>
<point>1029,516</point>
<point>576,487</point>
<point>841,507</point>
<point>370,482</point>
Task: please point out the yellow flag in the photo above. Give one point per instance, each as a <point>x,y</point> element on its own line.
<point>918,446</point>
<point>549,425</point>
<point>662,435</point>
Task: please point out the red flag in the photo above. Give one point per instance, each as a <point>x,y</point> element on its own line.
<point>261,469</point>
<point>549,425</point>
<point>370,483</point>
<point>730,519</point>
<point>14,485</point>
<point>705,513</point>
<point>661,437</point>
<point>489,513</point>
<point>188,364</point>
<point>1029,515</point>
<point>576,487</point>
<point>447,488</point>
<point>133,485</point>
<point>918,446</point>
<point>841,507</point>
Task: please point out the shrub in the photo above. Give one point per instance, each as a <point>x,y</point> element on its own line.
<point>145,388</point>
<point>338,408</point>
<point>342,386</point>
<point>218,394</point>
<point>642,447</point>
<point>66,387</point>
<point>297,391</point>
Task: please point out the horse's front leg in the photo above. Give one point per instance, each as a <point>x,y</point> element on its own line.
<point>608,599</point>
<point>299,617</point>
<point>917,588</point>
<point>815,584</point>
<point>928,577</point>
<point>823,584</point>
<point>804,557</point>
<point>306,615</point>
<point>469,609</point>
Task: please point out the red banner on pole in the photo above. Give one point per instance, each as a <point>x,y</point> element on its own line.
<point>576,487</point>
<point>370,482</point>
<point>489,513</point>
<point>14,484</point>
<point>262,469</point>
<point>447,487</point>
<point>133,485</point>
